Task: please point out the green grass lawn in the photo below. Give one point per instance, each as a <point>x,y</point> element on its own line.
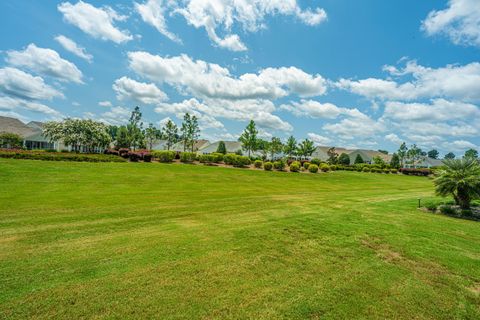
<point>147,240</point>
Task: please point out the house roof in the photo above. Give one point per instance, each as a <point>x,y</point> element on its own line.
<point>198,144</point>
<point>35,125</point>
<point>160,145</point>
<point>231,147</point>
<point>12,125</point>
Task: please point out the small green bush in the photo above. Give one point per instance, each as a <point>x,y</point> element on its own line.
<point>366,169</point>
<point>59,156</point>
<point>475,203</point>
<point>188,157</point>
<point>313,168</point>
<point>279,165</point>
<point>466,213</point>
<point>316,161</point>
<point>207,158</point>
<point>242,161</point>
<point>268,166</point>
<point>229,159</point>
<point>164,156</point>
<point>295,166</point>
<point>258,164</point>
<point>333,167</point>
<point>217,157</point>
<point>325,167</point>
<point>306,165</point>
<point>394,171</point>
<point>386,171</point>
<point>431,205</point>
<point>448,210</point>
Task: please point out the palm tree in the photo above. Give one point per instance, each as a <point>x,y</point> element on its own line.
<point>461,179</point>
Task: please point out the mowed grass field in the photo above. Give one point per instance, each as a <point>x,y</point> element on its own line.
<point>148,240</point>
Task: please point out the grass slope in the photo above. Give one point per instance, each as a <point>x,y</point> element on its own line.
<point>140,240</point>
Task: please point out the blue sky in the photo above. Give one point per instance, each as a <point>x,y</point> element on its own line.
<point>365,74</point>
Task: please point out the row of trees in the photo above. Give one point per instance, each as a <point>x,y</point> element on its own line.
<point>411,156</point>
<point>134,136</point>
<point>268,149</point>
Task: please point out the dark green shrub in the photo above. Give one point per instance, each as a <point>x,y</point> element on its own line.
<point>313,168</point>
<point>475,203</point>
<point>164,156</point>
<point>279,165</point>
<point>386,171</point>
<point>188,157</point>
<point>324,167</point>
<point>306,165</point>
<point>316,161</point>
<point>258,164</point>
<point>333,167</point>
<point>394,171</point>
<point>221,148</point>
<point>448,210</point>
<point>466,213</point>
<point>147,157</point>
<point>295,166</point>
<point>366,169</point>
<point>58,156</point>
<point>268,166</point>
<point>133,157</point>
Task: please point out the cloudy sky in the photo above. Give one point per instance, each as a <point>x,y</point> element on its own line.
<point>365,73</point>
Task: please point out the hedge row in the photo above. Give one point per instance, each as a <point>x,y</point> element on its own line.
<point>58,156</point>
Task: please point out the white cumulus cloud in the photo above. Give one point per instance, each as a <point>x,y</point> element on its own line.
<point>46,62</point>
<point>213,81</point>
<point>460,22</point>
<point>147,93</point>
<point>97,22</point>
<point>23,85</point>
<point>70,45</point>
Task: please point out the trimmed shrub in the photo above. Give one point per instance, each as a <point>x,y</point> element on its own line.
<point>58,156</point>
<point>475,203</point>
<point>207,158</point>
<point>164,156</point>
<point>242,161</point>
<point>431,205</point>
<point>295,166</point>
<point>366,169</point>
<point>416,172</point>
<point>316,161</point>
<point>229,159</point>
<point>306,165</point>
<point>386,171</point>
<point>188,157</point>
<point>394,171</point>
<point>448,210</point>
<point>324,167</point>
<point>217,157</point>
<point>333,167</point>
<point>268,166</point>
<point>147,157</point>
<point>313,168</point>
<point>133,156</point>
<point>258,164</point>
<point>279,165</point>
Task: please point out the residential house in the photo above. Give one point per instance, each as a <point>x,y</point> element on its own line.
<point>30,132</point>
<point>231,146</point>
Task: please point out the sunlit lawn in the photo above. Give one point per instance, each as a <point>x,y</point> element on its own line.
<point>147,240</point>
